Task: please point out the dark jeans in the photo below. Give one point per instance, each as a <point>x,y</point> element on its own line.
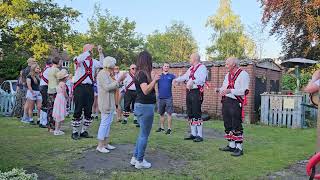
<point>145,114</point>
<point>83,100</point>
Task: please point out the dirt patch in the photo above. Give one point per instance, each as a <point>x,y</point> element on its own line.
<point>42,175</point>
<point>210,133</point>
<point>295,171</point>
<point>118,159</point>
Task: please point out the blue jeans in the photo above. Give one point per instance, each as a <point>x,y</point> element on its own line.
<point>145,114</point>
<point>105,124</point>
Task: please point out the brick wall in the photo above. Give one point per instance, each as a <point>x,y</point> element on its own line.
<point>212,101</point>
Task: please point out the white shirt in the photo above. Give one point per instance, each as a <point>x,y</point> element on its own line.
<point>80,69</point>
<point>317,82</point>
<point>127,81</point>
<point>240,85</point>
<point>200,76</point>
<point>45,75</point>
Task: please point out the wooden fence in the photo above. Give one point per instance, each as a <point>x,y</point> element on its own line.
<point>285,110</point>
<point>7,103</point>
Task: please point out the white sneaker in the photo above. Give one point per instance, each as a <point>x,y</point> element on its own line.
<point>110,147</point>
<point>142,165</point>
<point>133,161</point>
<point>58,133</point>
<point>102,150</point>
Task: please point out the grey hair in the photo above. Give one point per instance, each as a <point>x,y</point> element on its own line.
<point>196,56</point>
<point>234,60</point>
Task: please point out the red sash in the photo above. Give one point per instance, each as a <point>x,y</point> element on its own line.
<point>88,72</point>
<point>42,76</point>
<point>191,76</point>
<point>130,84</point>
<point>231,82</point>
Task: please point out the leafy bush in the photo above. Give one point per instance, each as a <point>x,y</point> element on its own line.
<point>17,174</point>
<point>289,81</point>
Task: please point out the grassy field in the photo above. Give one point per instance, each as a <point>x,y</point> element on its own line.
<point>267,149</point>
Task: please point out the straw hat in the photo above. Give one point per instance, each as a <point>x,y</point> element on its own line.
<point>109,62</point>
<point>62,74</point>
<point>88,47</point>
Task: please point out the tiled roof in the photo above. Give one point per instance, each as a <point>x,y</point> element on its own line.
<point>243,62</point>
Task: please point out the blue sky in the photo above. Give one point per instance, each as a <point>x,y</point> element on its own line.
<point>151,15</point>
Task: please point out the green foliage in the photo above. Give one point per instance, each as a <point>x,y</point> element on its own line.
<point>17,174</point>
<point>10,68</point>
<point>33,27</point>
<point>228,38</point>
<point>289,81</point>
<point>174,45</point>
<point>117,36</point>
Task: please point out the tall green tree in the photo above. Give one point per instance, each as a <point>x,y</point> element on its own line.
<point>229,38</point>
<point>32,27</point>
<point>174,45</point>
<point>297,24</point>
<point>117,36</point>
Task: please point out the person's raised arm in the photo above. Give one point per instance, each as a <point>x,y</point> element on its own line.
<point>147,88</point>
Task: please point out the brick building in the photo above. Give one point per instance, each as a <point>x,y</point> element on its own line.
<point>265,76</point>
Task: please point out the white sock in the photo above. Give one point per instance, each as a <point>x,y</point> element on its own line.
<point>43,118</point>
<point>74,130</point>
<point>126,119</point>
<point>239,146</point>
<point>232,144</point>
<point>134,117</point>
<point>199,129</point>
<point>193,130</point>
<point>84,128</point>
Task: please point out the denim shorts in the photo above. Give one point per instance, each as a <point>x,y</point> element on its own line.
<point>36,96</point>
<point>165,105</point>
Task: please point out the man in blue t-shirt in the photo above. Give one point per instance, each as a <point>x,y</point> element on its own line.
<point>165,103</point>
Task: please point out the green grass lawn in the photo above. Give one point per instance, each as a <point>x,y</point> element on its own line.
<point>267,149</point>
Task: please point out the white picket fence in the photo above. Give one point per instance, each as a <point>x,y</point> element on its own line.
<point>7,103</point>
<point>285,110</point>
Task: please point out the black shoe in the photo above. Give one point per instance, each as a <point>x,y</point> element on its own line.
<point>227,149</point>
<point>85,134</point>
<point>124,122</point>
<point>168,131</point>
<point>75,136</point>
<point>135,121</point>
<point>42,126</point>
<point>237,153</point>
<point>138,125</point>
<point>191,137</point>
<point>198,139</point>
<point>159,130</point>
<point>97,117</point>
<point>38,122</point>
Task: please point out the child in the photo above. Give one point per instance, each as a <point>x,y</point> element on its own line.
<point>60,103</point>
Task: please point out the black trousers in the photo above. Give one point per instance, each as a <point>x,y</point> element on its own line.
<point>129,99</point>
<point>44,94</point>
<point>231,114</point>
<point>194,101</point>
<point>83,100</point>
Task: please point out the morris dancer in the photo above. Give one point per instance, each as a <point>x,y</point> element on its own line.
<point>83,90</point>
<point>44,93</point>
<point>196,78</point>
<point>130,94</point>
<point>233,91</point>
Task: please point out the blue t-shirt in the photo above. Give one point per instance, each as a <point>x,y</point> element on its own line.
<point>165,85</point>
